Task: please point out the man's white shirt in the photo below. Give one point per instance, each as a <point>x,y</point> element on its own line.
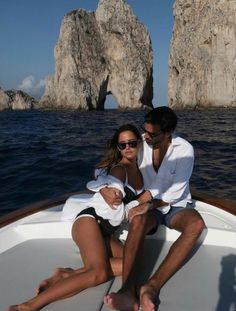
<point>171,182</point>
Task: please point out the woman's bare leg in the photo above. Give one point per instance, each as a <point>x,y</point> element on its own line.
<point>96,263</point>
<point>59,273</point>
<point>115,249</point>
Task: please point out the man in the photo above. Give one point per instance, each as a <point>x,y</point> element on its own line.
<point>166,162</point>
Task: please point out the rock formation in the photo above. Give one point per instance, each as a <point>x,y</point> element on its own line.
<point>16,100</point>
<point>101,53</point>
<point>202,63</point>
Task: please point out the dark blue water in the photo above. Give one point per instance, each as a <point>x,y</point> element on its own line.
<point>44,154</point>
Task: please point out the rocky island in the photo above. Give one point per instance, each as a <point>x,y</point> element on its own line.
<point>101,53</point>
<point>16,100</point>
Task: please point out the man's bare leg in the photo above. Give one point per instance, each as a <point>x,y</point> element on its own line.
<point>191,225</point>
<point>126,298</point>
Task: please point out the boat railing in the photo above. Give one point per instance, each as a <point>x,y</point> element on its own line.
<point>224,204</point>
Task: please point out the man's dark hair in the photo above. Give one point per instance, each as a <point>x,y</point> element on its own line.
<point>163,116</point>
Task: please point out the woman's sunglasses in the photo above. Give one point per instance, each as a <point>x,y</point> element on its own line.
<point>131,144</point>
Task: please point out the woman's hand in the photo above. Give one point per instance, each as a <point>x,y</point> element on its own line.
<point>138,210</point>
<point>112,196</point>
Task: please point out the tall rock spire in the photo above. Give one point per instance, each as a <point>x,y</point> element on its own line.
<point>202,63</point>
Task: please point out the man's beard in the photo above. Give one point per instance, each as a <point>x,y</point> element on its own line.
<point>153,144</point>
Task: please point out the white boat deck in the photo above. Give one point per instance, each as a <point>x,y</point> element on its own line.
<point>34,248</point>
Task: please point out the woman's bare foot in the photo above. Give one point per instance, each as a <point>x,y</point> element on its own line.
<point>21,307</point>
<point>121,301</point>
<point>148,295</point>
<point>60,273</point>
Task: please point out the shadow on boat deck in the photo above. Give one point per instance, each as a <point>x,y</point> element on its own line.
<point>227,284</point>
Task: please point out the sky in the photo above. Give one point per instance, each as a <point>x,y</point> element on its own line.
<point>29,30</point>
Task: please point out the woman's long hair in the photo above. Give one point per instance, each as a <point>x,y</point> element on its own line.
<point>112,154</point>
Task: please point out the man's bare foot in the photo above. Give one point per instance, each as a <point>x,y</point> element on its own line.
<point>60,273</point>
<point>148,297</point>
<point>121,301</point>
<point>21,307</point>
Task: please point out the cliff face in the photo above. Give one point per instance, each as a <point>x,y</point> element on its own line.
<point>101,53</point>
<point>202,63</point>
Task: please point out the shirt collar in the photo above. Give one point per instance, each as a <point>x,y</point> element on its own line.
<point>175,141</point>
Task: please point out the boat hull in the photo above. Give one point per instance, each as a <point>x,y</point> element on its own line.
<point>34,245</point>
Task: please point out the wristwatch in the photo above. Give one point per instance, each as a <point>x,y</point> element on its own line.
<point>150,205</point>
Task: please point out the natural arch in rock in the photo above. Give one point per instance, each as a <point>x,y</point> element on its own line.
<point>98,53</point>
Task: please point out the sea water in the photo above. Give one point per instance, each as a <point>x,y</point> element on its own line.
<point>44,154</point>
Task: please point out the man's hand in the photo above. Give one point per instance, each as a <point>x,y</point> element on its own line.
<point>144,197</point>
<point>138,210</point>
<point>112,196</point>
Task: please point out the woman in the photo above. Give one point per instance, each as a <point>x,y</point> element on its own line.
<point>100,251</point>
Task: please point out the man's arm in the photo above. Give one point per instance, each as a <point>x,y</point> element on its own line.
<point>147,197</point>
<point>146,206</point>
<point>113,196</point>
